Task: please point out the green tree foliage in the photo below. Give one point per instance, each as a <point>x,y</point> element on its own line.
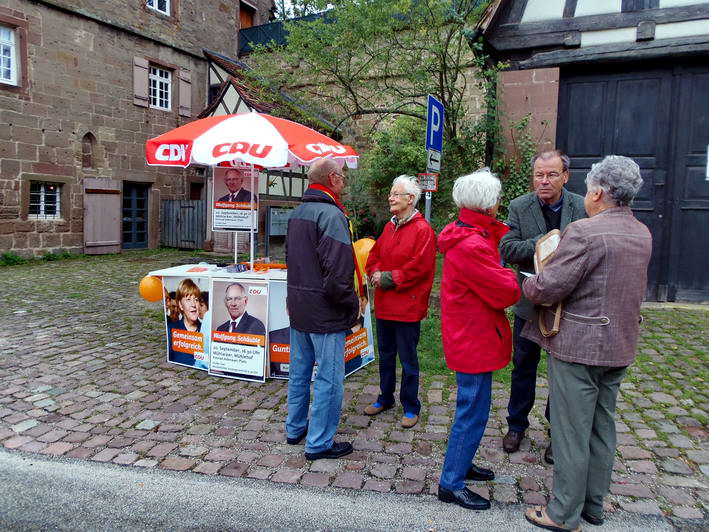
<point>381,58</point>
<point>377,57</point>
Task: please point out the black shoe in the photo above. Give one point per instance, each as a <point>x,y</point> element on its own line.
<point>479,473</point>
<point>592,520</point>
<point>297,439</point>
<point>511,441</point>
<point>337,450</point>
<point>549,455</point>
<point>464,498</point>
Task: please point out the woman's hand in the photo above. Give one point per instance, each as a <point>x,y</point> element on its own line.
<point>375,279</point>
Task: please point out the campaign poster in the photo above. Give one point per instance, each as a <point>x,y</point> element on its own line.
<point>279,333</point>
<point>187,320</point>
<point>235,205</point>
<point>359,343</point>
<point>238,332</point>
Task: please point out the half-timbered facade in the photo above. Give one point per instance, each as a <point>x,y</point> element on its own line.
<point>626,77</point>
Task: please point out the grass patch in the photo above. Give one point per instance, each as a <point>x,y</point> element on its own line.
<point>12,259</point>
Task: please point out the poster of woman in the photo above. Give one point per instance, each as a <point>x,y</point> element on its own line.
<point>187,321</point>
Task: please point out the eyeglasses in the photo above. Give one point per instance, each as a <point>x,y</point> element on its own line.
<point>551,175</point>
<point>236,299</point>
<point>400,194</point>
<point>344,177</point>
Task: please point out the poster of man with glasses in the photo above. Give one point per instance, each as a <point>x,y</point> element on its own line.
<point>240,311</point>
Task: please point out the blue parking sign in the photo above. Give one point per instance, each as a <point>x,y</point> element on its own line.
<point>434,125</point>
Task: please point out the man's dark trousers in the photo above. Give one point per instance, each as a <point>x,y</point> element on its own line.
<point>524,379</point>
<point>393,336</point>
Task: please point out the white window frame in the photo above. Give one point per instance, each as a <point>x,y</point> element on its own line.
<point>155,5</point>
<point>159,80</point>
<point>46,199</point>
<point>8,52</point>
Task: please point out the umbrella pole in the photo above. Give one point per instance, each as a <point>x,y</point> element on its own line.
<point>236,247</point>
<point>251,264</point>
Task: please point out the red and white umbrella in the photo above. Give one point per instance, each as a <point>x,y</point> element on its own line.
<point>251,138</point>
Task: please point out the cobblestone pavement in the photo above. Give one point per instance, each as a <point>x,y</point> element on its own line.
<point>84,375</point>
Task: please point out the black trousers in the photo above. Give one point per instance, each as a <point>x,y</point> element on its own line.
<point>524,379</point>
<point>399,337</point>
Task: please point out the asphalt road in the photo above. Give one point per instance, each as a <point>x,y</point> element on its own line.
<point>40,493</point>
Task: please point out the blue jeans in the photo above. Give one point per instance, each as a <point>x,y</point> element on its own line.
<point>524,379</point>
<point>472,410</point>
<point>401,336</point>
<point>328,351</point>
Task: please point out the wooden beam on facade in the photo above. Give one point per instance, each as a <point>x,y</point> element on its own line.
<point>550,32</point>
<point>625,52</point>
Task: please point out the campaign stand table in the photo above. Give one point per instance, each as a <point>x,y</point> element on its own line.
<point>259,347</point>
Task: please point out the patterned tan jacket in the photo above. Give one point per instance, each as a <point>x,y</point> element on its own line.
<point>599,271</point>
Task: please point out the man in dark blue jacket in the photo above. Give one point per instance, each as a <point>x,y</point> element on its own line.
<point>323,306</point>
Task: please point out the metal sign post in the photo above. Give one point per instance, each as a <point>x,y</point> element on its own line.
<point>434,144</point>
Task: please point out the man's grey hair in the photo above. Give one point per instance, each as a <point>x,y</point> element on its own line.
<point>410,185</point>
<point>241,286</point>
<point>318,172</point>
<point>478,191</point>
<point>549,154</point>
<point>618,177</point>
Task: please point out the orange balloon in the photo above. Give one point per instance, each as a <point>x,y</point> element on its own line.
<point>151,288</point>
<point>362,247</point>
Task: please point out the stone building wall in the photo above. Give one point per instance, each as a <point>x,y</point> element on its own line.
<point>532,92</point>
<point>78,75</point>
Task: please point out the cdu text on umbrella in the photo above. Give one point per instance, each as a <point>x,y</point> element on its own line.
<point>255,150</point>
<point>171,152</point>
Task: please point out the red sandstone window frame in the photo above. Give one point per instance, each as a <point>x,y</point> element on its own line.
<point>160,87</point>
<point>43,199</point>
<point>20,28</point>
<point>173,9</point>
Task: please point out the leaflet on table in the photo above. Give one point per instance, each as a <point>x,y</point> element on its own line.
<point>235,205</point>
<point>238,330</point>
<point>187,320</point>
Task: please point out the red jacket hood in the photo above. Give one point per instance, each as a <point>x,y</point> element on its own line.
<point>481,223</point>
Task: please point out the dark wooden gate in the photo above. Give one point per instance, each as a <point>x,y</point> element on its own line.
<point>660,118</point>
<point>182,223</point>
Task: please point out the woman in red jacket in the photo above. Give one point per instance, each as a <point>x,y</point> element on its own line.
<point>401,266</point>
<point>475,289</point>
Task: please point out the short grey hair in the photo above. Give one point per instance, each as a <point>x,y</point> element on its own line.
<point>618,177</point>
<point>550,154</point>
<point>411,186</point>
<point>478,191</point>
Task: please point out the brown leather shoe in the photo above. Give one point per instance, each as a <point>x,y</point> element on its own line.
<point>408,422</point>
<point>549,455</point>
<point>376,408</point>
<point>511,441</point>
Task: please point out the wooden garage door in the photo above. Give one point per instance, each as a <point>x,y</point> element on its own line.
<point>102,216</point>
<point>644,113</point>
